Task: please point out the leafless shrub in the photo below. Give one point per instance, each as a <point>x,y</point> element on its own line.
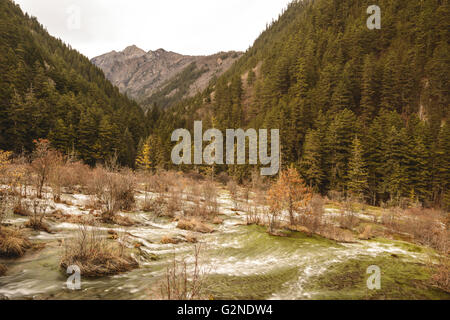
<point>56,181</point>
<point>20,207</point>
<point>144,180</point>
<point>4,205</point>
<point>246,191</point>
<point>427,227</point>
<point>257,210</point>
<point>223,178</point>
<point>184,281</point>
<point>175,197</point>
<point>440,273</point>
<point>314,219</point>
<point>39,210</point>
<point>347,217</point>
<point>233,189</point>
<point>44,160</point>
<point>94,255</point>
<point>258,182</point>
<point>211,204</point>
<point>194,192</point>
<point>75,176</point>
<point>159,207</point>
<point>19,176</point>
<point>114,190</point>
<point>253,216</point>
<point>274,219</point>
<point>195,176</point>
<point>390,218</point>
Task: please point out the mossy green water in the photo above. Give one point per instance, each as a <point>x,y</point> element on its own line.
<point>400,279</point>
<point>245,262</point>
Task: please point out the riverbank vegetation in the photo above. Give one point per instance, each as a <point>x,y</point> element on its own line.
<point>198,204</point>
<point>95,255</point>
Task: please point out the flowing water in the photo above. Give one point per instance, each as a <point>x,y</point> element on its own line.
<point>243,262</point>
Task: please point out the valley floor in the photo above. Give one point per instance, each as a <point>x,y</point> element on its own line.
<point>240,261</point>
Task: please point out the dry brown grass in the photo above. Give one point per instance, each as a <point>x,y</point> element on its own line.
<point>366,234</point>
<point>95,256</point>
<point>191,238</point>
<point>121,220</point>
<point>169,240</point>
<point>337,234</point>
<point>298,229</point>
<point>3,270</point>
<point>217,220</point>
<point>13,243</point>
<point>37,225</point>
<point>60,216</point>
<point>194,225</point>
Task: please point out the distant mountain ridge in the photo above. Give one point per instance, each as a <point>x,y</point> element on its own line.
<point>147,76</point>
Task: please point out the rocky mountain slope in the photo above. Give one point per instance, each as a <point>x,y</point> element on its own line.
<point>147,76</point>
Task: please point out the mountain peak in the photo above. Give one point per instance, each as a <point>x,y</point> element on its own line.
<point>140,74</point>
<point>133,51</point>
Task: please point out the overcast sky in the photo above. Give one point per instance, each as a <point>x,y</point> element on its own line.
<point>194,27</point>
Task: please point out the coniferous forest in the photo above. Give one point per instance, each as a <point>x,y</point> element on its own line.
<point>48,90</point>
<point>92,205</point>
<point>362,111</point>
<point>359,110</point>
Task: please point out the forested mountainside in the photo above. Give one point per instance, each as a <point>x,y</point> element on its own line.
<point>361,111</point>
<point>162,77</point>
<point>48,90</point>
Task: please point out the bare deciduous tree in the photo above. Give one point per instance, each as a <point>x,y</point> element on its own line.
<point>184,281</point>
<point>44,160</point>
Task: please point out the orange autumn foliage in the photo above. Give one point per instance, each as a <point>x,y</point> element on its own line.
<point>289,193</point>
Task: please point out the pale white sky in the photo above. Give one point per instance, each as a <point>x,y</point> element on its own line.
<point>195,27</point>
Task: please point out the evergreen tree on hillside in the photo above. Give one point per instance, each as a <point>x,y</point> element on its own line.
<point>357,174</point>
<point>50,91</point>
<point>312,162</point>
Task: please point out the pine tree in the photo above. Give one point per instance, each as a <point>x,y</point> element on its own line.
<point>357,174</point>
<point>442,180</point>
<point>311,164</point>
<point>339,140</point>
<point>370,88</point>
<point>251,77</point>
<point>60,137</point>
